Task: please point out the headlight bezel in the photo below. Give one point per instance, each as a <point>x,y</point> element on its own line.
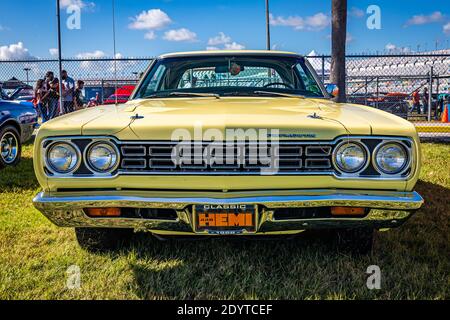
<point>91,167</point>
<point>406,166</point>
<point>357,171</point>
<point>51,168</point>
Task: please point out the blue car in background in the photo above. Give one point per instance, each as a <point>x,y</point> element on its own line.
<point>17,123</point>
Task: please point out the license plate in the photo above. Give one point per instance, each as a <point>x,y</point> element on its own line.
<point>225,219</point>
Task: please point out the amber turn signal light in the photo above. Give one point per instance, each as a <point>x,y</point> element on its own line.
<point>347,211</point>
<point>103,212</point>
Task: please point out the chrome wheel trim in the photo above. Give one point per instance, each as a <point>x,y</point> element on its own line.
<point>9,147</point>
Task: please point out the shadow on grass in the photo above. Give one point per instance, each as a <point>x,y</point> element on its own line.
<point>305,266</point>
<point>19,177</point>
<point>226,267</point>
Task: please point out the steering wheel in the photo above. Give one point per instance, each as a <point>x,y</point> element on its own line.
<point>278,84</point>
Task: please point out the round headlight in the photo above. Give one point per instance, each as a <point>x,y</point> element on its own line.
<point>62,158</point>
<point>391,158</point>
<point>350,157</point>
<point>103,157</point>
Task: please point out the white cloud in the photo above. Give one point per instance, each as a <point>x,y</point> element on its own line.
<point>89,65</point>
<point>79,3</point>
<point>295,22</point>
<point>234,46</point>
<point>225,41</point>
<point>150,35</point>
<point>356,12</point>
<point>91,55</point>
<point>390,47</point>
<point>446,28</point>
<point>15,51</point>
<point>421,19</point>
<point>53,52</point>
<point>182,34</point>
<point>222,38</point>
<point>153,19</point>
<point>316,22</point>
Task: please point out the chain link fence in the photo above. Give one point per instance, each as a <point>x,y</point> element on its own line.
<point>413,86</point>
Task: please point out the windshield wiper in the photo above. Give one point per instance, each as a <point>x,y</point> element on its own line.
<point>183,94</point>
<point>279,94</point>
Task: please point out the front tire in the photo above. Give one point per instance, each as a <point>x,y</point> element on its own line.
<point>10,146</point>
<point>102,239</point>
<point>357,240</point>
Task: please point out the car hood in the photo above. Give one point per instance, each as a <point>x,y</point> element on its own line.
<point>157,119</point>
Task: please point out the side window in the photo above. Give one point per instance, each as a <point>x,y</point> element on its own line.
<point>308,81</point>
<point>154,83</point>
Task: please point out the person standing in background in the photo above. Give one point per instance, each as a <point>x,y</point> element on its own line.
<point>68,89</point>
<point>425,97</point>
<point>78,97</point>
<point>39,97</point>
<point>50,98</point>
<point>416,101</point>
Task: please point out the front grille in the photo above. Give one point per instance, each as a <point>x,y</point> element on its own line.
<point>223,158</point>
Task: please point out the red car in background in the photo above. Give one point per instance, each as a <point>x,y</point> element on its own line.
<point>121,98</point>
<point>122,95</point>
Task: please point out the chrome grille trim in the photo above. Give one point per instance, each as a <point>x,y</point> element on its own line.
<point>133,151</point>
<point>128,164</point>
<point>318,164</point>
<point>318,151</point>
<point>288,157</point>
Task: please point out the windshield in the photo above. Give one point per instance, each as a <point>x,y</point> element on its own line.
<point>229,76</point>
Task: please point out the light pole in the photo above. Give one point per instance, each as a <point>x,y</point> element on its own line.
<point>58,16</point>
<point>27,70</point>
<point>267,25</point>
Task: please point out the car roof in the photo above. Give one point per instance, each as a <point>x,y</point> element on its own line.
<point>231,52</point>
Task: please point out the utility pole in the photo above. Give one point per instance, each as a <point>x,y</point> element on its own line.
<point>430,94</point>
<point>338,43</point>
<point>268,25</point>
<point>58,15</point>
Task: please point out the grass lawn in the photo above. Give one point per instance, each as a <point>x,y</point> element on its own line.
<point>414,259</point>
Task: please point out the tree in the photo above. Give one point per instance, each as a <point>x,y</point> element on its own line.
<point>338,39</point>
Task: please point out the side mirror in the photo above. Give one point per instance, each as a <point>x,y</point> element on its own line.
<point>332,89</point>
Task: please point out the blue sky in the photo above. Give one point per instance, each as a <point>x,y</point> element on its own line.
<point>28,27</point>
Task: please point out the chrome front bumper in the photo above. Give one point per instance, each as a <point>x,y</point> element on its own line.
<point>388,209</point>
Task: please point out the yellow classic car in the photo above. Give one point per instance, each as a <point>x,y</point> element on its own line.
<point>228,143</point>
